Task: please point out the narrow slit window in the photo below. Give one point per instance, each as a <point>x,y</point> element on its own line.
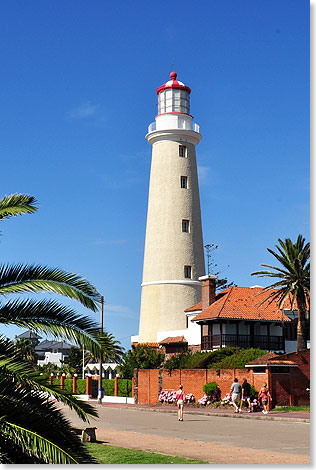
<point>185,225</point>
<point>184,182</point>
<point>187,272</point>
<point>182,151</point>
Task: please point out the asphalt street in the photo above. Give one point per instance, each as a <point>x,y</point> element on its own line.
<point>278,436</point>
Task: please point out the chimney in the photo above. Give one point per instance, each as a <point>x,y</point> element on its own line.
<point>208,290</point>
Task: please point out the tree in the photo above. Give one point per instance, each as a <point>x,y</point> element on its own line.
<point>221,283</point>
<point>74,359</point>
<point>294,282</point>
<point>32,428</point>
<point>25,350</point>
<point>140,357</point>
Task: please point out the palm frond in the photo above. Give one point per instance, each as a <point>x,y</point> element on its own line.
<point>35,444</point>
<point>19,278</point>
<point>17,204</point>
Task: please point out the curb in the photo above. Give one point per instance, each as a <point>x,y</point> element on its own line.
<point>225,415</point>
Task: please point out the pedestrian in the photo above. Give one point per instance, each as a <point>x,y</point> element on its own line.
<point>245,395</point>
<point>180,402</point>
<point>265,397</point>
<point>235,394</point>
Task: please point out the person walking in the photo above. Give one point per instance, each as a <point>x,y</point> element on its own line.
<point>235,394</point>
<point>180,396</point>
<point>245,395</point>
<point>265,398</point>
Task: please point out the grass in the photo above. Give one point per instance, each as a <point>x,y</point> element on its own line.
<point>106,454</point>
<point>291,408</point>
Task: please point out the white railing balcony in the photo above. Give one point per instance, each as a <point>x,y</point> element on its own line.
<point>195,127</point>
<point>152,127</point>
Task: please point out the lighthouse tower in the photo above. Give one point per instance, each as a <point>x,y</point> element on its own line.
<point>173,258</point>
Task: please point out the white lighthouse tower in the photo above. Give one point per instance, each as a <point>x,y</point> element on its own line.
<point>174,257</point>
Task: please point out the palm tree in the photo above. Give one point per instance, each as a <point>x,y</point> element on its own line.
<point>25,350</point>
<point>32,428</point>
<point>293,283</point>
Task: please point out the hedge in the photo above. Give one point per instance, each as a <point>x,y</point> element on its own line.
<point>124,386</point>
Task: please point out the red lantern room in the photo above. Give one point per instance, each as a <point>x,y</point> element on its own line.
<point>173,97</point>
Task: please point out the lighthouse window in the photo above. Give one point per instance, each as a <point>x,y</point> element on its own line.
<point>185,225</point>
<point>187,272</point>
<point>182,151</point>
<point>184,182</point>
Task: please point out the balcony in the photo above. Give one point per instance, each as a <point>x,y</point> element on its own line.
<point>194,127</point>
<point>269,343</point>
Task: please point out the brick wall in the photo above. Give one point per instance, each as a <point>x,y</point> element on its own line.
<point>285,389</point>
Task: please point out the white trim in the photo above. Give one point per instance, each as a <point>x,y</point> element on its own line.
<point>174,134</point>
<point>249,366</point>
<point>180,281</point>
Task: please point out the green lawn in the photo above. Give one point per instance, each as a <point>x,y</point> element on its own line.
<point>120,455</point>
<point>291,408</point>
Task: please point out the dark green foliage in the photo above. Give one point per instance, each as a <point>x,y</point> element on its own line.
<point>253,393</point>
<point>108,385</point>
<point>124,388</point>
<point>179,361</point>
<point>202,360</point>
<point>238,360</point>
<point>140,357</point>
<point>68,385</point>
<point>81,387</point>
<point>209,388</point>
<point>74,359</point>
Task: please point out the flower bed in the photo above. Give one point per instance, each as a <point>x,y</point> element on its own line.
<point>169,397</point>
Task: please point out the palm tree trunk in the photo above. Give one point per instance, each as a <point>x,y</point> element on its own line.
<point>302,325</point>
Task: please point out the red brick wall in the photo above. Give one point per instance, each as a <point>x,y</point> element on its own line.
<point>285,389</point>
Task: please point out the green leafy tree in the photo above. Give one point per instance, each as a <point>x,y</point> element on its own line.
<point>32,428</point>
<point>293,282</point>
<point>140,357</point>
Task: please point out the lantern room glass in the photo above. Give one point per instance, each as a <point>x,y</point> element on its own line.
<point>174,101</point>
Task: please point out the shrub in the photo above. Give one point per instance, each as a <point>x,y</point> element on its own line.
<point>124,388</point>
<point>238,360</point>
<point>108,385</point>
<point>212,391</point>
<point>202,360</point>
<point>81,387</point>
<point>68,385</point>
<point>178,361</point>
<point>140,357</point>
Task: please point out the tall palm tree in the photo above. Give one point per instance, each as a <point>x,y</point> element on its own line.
<point>293,283</point>
<point>32,428</point>
<point>25,350</point>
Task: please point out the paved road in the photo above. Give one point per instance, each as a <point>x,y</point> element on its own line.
<point>276,438</point>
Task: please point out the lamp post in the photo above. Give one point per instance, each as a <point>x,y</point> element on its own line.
<point>101,390</point>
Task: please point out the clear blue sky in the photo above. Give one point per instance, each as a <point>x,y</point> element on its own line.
<point>78,90</point>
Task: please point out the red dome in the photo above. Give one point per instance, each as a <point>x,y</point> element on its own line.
<point>173,83</point>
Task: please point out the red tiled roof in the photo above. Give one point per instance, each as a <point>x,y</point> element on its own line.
<point>243,303</point>
<point>152,345</point>
<point>272,359</point>
<point>195,307</point>
<point>174,339</point>
<point>262,360</point>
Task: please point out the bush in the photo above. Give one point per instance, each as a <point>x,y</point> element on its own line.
<point>140,357</point>
<point>81,387</point>
<point>238,360</point>
<point>108,385</point>
<point>202,360</point>
<point>68,385</point>
<point>179,361</point>
<point>124,388</point>
<point>212,392</point>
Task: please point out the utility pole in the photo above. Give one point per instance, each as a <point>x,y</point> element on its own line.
<point>101,390</point>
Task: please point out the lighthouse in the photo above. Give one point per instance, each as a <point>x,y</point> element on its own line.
<point>173,257</point>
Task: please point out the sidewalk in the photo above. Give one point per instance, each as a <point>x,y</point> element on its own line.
<point>295,416</point>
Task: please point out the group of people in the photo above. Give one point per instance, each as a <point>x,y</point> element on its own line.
<point>241,393</point>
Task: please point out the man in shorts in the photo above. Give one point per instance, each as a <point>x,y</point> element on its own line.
<point>235,394</point>
<point>245,395</point>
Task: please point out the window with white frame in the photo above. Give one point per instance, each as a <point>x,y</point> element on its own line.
<point>182,151</point>
<point>185,225</point>
<point>187,272</point>
<point>184,182</point>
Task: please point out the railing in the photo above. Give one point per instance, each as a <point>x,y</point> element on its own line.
<point>270,343</point>
<point>194,127</point>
